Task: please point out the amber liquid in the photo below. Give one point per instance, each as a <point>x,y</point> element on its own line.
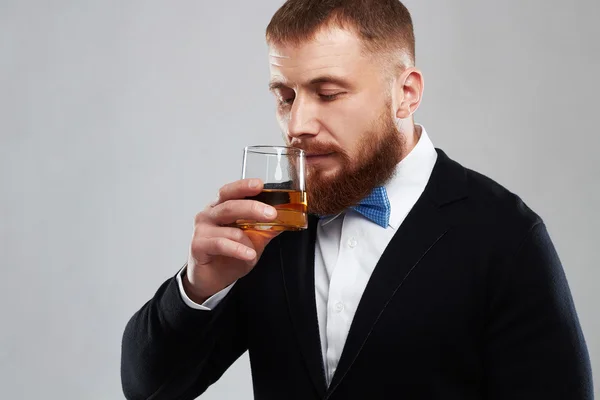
<point>291,211</point>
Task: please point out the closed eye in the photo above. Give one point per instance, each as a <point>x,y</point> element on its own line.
<point>286,101</point>
<point>330,97</point>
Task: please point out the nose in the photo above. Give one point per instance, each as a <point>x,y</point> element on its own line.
<point>303,120</point>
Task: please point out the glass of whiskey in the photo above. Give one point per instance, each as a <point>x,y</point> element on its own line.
<point>282,169</point>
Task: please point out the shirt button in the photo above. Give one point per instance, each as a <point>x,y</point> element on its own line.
<point>352,242</point>
<point>339,307</point>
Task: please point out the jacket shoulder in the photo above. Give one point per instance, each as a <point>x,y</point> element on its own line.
<point>494,207</point>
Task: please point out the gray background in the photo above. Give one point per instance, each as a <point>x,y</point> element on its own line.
<point>120,120</point>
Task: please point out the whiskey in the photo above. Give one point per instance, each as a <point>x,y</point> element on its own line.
<point>291,208</point>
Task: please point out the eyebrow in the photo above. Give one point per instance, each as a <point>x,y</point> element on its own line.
<point>330,79</point>
<point>276,84</point>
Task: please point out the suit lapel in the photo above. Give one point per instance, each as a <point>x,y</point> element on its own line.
<point>421,230</point>
<point>423,227</point>
<point>297,264</point>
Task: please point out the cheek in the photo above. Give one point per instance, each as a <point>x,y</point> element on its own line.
<point>348,128</point>
<point>282,116</point>
<point>357,112</point>
<point>283,120</point>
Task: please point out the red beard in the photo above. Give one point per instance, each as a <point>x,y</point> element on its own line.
<point>378,153</point>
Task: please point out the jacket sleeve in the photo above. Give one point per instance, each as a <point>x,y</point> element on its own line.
<point>170,350</point>
<point>534,347</point>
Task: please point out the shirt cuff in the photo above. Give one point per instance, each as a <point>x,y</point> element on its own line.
<point>210,303</point>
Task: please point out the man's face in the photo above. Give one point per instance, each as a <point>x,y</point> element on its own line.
<point>333,101</point>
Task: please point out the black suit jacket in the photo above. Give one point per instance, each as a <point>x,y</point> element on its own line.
<point>468,301</point>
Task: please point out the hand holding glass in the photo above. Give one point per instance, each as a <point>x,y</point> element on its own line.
<point>282,169</point>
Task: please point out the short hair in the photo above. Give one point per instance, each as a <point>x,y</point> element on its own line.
<point>384,26</point>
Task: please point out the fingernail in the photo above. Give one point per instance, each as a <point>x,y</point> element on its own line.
<point>269,212</point>
<point>250,253</point>
<point>253,183</point>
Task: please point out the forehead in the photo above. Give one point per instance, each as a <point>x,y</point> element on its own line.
<point>333,51</point>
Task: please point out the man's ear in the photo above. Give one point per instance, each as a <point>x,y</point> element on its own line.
<point>408,92</point>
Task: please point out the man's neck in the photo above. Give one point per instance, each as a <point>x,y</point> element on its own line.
<point>412,134</point>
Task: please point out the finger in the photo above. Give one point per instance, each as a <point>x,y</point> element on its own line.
<point>231,233</point>
<point>221,246</point>
<point>237,235</point>
<point>233,210</point>
<point>239,190</point>
<point>255,239</point>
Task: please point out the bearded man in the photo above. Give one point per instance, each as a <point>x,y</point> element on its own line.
<point>448,288</point>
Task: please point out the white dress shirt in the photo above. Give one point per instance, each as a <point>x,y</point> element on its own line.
<point>347,249</point>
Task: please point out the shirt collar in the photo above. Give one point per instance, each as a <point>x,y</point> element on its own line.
<point>411,174</point>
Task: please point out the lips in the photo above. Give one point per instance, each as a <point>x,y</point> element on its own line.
<point>318,154</point>
<point>313,158</point>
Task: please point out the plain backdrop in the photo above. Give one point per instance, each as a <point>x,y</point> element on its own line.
<point>120,120</point>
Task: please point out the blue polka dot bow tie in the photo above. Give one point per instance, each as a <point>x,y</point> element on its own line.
<point>376,207</point>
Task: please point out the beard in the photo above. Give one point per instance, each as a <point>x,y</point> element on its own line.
<point>378,152</point>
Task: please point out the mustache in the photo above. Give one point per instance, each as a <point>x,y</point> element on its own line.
<point>318,147</point>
